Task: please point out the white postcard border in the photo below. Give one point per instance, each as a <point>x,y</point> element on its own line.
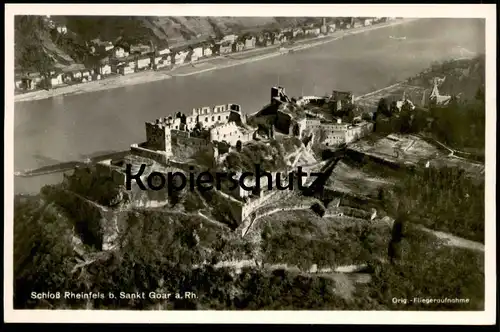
<point>300,317</point>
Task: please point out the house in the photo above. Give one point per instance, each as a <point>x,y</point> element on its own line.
<point>283,39</point>
<point>331,28</point>
<point>108,46</point>
<point>167,60</point>
<point>230,38</point>
<point>180,57</point>
<point>143,62</point>
<point>250,43</point>
<point>164,51</point>
<point>163,61</point>
<point>57,80</point>
<point>436,97</point>
<point>198,52</point>
<point>105,69</point>
<point>313,31</point>
<point>357,24</point>
<point>124,70</point>
<point>341,99</point>
<point>100,46</point>
<point>85,73</point>
<point>62,29</point>
<point>368,22</point>
<point>156,60</point>
<point>207,50</point>
<point>238,47</point>
<point>119,52</point>
<point>74,75</point>
<point>28,83</point>
<point>67,77</point>
<point>297,32</point>
<point>18,81</point>
<point>226,47</point>
<point>140,49</point>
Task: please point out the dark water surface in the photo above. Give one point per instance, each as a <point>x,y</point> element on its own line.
<point>70,128</point>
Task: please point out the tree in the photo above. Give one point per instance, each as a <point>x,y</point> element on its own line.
<point>383,108</point>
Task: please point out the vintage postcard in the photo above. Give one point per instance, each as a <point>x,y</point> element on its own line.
<point>305,164</point>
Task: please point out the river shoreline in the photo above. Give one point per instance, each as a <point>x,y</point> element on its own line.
<point>193,69</point>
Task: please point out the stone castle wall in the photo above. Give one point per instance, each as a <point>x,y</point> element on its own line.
<point>150,154</point>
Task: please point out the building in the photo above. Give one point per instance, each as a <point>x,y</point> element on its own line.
<point>124,70</point>
<point>180,136</point>
<point>62,29</point>
<point>119,52</point>
<point>180,57</point>
<point>29,83</point>
<point>207,50</point>
<point>338,133</point>
<point>404,101</point>
<point>156,61</point>
<point>331,28</point>
<point>435,97</point>
<point>143,62</point>
<point>105,69</point>
<point>230,38</point>
<point>164,51</point>
<point>85,73</point>
<point>250,43</point>
<point>56,80</point>
<point>368,22</point>
<point>197,52</point>
<point>74,75</point>
<point>312,31</point>
<point>230,133</point>
<point>297,32</point>
<point>163,61</point>
<point>207,117</point>
<point>238,47</point>
<point>140,49</point>
<point>226,47</point>
<point>101,46</point>
<point>18,82</point>
<point>357,24</point>
<point>341,99</point>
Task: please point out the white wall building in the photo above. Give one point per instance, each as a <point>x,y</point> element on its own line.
<point>120,52</point>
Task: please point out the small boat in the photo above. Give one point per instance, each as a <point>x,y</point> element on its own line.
<point>398,38</point>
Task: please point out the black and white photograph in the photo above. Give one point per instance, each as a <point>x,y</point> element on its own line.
<point>256,163</point>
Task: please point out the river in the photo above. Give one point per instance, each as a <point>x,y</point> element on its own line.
<point>74,127</point>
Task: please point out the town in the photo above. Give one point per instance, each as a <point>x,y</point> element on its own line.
<point>113,58</point>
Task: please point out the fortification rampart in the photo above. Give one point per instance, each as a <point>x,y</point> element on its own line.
<point>158,156</point>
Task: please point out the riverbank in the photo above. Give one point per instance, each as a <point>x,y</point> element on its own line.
<point>206,65</point>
